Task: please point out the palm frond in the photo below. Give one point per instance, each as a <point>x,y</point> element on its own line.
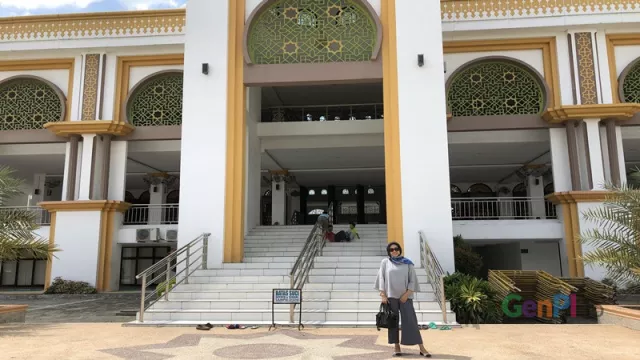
<point>18,239</point>
<point>615,237</point>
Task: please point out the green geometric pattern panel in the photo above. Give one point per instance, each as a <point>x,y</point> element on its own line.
<point>495,88</point>
<point>157,102</point>
<point>631,85</point>
<point>312,31</point>
<point>28,104</point>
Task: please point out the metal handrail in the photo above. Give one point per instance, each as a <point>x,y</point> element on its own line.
<point>314,245</point>
<point>167,265</point>
<point>435,274</point>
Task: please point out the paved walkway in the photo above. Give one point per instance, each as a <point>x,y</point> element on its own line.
<point>495,342</point>
<point>99,308</point>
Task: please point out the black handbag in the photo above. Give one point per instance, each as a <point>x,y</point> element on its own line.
<point>386,318</point>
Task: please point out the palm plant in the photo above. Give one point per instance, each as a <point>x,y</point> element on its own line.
<point>616,237</point>
<point>17,226</point>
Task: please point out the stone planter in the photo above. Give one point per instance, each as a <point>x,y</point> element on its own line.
<point>13,313</point>
<point>627,316</point>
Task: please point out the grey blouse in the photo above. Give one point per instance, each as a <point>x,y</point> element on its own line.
<point>395,279</point>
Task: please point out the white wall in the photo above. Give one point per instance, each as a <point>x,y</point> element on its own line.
<point>508,229</point>
<point>541,256</point>
<point>77,234</point>
<point>253,161</point>
<point>204,126</point>
<point>59,78</point>
<point>594,272</point>
<point>425,180</point>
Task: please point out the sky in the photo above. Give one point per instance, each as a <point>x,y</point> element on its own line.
<point>45,7</point>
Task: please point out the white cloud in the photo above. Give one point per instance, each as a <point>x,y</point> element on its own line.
<point>50,4</point>
<point>146,4</point>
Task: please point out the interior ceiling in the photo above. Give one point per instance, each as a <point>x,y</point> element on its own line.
<point>150,162</point>
<point>322,95</point>
<point>27,165</point>
<point>468,163</point>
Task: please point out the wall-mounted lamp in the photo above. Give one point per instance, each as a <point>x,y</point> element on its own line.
<point>277,187</point>
<point>205,68</point>
<point>445,67</point>
<point>421,60</point>
<point>537,181</point>
<point>155,189</point>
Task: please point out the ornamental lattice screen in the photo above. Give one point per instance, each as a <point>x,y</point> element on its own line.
<point>631,85</point>
<point>312,31</point>
<point>157,102</point>
<point>495,88</point>
<point>28,104</point>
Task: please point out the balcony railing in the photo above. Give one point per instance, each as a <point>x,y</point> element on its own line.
<point>323,112</point>
<point>502,208</point>
<point>42,216</point>
<point>165,214</point>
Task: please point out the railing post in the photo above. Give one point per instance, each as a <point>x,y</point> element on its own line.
<point>205,251</point>
<point>142,296</point>
<point>186,279</point>
<point>168,277</point>
<point>443,299</point>
<point>291,306</point>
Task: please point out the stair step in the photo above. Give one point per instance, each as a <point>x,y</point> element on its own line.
<point>230,294</point>
<point>331,324</point>
<point>262,304</point>
<point>246,316</point>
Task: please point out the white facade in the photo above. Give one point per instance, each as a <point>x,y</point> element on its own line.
<point>225,166</point>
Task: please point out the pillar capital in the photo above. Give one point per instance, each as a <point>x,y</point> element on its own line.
<point>95,127</point>
<point>562,114</point>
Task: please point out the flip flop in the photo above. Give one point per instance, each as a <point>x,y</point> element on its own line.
<point>231,327</point>
<point>433,325</point>
<point>203,327</point>
<point>445,327</point>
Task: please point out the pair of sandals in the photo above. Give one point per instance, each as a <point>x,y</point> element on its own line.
<point>434,327</point>
<point>205,327</point>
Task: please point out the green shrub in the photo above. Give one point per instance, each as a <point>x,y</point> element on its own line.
<point>60,286</point>
<point>162,287</point>
<point>467,261</point>
<point>471,299</point>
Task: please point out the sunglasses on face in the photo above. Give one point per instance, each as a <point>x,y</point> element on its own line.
<point>394,249</point>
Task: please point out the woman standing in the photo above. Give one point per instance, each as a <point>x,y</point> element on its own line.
<point>397,281</point>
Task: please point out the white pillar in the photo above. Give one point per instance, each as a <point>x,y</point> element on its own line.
<point>595,153</point>
<point>118,170</point>
<point>421,93</point>
<point>157,192</point>
<point>560,160</point>
<point>253,196</point>
<point>278,203</point>
<point>86,167</point>
<point>604,147</point>
<point>204,126</point>
<point>621,161</point>
<point>535,191</point>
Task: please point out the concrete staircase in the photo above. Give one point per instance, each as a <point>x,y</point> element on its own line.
<point>339,290</point>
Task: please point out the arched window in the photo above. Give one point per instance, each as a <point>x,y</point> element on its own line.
<point>318,31</point>
<point>371,191</point>
<point>267,193</point>
<point>495,87</point>
<point>27,103</point>
<point>549,189</point>
<point>128,197</point>
<point>480,189</point>
<point>144,199</point>
<point>173,197</point>
<point>345,191</point>
<point>312,192</point>
<point>156,101</point>
<point>455,189</point>
<point>324,192</point>
<point>631,84</point>
<point>519,190</point>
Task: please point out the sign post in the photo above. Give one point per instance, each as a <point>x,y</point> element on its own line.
<point>286,297</point>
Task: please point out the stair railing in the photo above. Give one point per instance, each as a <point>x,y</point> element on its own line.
<point>435,274</point>
<point>312,247</point>
<point>191,257</point>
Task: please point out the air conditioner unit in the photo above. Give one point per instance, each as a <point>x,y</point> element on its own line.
<point>172,235</point>
<point>146,235</point>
